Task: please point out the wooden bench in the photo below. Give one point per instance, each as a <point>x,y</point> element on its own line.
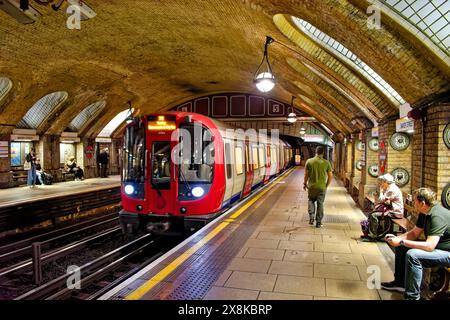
<point>67,176</point>
<point>410,214</point>
<point>19,176</point>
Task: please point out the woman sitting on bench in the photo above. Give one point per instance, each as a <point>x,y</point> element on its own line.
<point>71,167</point>
<point>389,205</point>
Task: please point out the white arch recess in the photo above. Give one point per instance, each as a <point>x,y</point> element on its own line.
<point>350,58</point>
<point>114,123</point>
<point>42,109</point>
<point>5,88</point>
<point>86,116</point>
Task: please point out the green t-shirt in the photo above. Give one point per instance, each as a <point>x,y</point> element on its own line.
<point>318,169</point>
<point>436,223</point>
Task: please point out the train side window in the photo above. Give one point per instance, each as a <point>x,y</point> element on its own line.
<point>238,160</point>
<point>228,159</point>
<point>274,156</point>
<point>262,159</point>
<point>247,159</point>
<point>255,157</point>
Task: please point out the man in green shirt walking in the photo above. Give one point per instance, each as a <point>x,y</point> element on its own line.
<point>318,177</point>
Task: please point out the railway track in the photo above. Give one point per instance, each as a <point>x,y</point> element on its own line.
<point>105,255</point>
<point>94,273</point>
<point>12,252</point>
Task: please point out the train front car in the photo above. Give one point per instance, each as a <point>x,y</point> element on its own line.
<point>173,173</point>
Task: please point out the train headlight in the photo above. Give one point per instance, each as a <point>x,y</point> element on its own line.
<point>129,189</point>
<point>198,192</point>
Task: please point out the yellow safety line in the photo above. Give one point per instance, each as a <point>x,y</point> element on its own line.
<point>160,276</point>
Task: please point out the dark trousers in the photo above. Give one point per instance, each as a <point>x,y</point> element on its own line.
<point>318,197</point>
<point>103,170</point>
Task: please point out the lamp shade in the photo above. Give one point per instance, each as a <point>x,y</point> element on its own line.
<point>265,82</point>
<point>292,117</point>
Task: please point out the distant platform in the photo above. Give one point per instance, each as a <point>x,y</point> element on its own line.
<point>22,195</point>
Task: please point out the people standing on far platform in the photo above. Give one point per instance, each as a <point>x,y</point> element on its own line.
<point>30,165</point>
<point>318,177</point>
<point>103,160</point>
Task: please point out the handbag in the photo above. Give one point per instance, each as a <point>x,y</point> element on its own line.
<point>27,165</point>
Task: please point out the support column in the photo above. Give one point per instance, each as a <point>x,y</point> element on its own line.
<point>5,163</point>
<point>362,188</point>
<point>47,151</point>
<point>349,163</point>
<point>396,159</point>
<point>435,173</point>
<point>114,156</point>
<point>90,158</point>
<point>371,159</point>
<point>356,177</point>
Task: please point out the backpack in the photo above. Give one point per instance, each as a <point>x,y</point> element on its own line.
<point>47,178</point>
<point>365,227</point>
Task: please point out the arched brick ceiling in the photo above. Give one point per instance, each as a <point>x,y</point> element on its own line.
<point>157,52</point>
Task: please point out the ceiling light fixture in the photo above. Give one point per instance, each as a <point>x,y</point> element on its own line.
<point>263,77</point>
<point>292,117</point>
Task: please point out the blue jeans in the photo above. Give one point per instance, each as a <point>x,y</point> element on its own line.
<point>31,180</point>
<point>409,264</point>
<point>320,199</point>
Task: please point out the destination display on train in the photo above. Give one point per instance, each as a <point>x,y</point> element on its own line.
<point>161,123</point>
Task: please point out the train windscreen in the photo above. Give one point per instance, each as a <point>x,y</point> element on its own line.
<point>196,166</point>
<point>161,165</point>
<point>133,172</point>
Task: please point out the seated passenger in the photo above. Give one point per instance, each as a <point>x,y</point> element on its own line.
<point>389,204</point>
<point>42,176</point>
<point>39,171</point>
<point>411,256</point>
<point>71,167</point>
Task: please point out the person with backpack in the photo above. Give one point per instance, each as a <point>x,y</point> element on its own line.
<point>42,176</point>
<point>31,161</point>
<point>388,205</point>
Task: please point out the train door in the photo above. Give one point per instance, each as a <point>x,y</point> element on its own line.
<point>162,184</point>
<point>256,165</point>
<point>249,172</point>
<point>228,172</point>
<point>268,163</point>
<point>239,170</point>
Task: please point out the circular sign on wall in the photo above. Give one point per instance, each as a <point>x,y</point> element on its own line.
<point>373,170</point>
<point>89,152</point>
<point>401,176</point>
<point>360,146</point>
<point>359,165</point>
<point>445,197</point>
<point>447,135</point>
<point>399,141</point>
<point>373,144</point>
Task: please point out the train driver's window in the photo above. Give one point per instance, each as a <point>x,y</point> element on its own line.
<point>238,160</point>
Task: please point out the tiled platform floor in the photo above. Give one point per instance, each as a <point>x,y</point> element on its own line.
<point>271,252</point>
<point>286,258</point>
<point>26,194</point>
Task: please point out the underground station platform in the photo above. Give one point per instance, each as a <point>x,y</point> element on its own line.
<point>23,208</point>
<point>264,249</point>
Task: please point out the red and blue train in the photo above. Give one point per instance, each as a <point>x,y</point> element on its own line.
<point>181,170</point>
